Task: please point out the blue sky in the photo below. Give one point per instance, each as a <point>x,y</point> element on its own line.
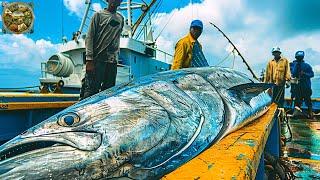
<point>254,26</point>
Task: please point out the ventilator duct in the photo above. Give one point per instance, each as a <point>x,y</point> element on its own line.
<point>60,65</point>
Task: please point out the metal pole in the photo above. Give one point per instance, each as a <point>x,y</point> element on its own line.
<point>136,25</point>
<point>88,2</point>
<point>129,12</point>
<point>244,61</point>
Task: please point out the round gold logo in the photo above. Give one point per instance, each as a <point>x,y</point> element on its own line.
<point>17,18</point>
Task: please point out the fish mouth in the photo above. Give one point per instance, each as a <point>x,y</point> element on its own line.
<point>50,143</point>
<point>26,148</point>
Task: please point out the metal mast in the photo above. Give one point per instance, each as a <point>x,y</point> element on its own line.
<point>129,12</point>
<point>136,25</point>
<point>88,3</point>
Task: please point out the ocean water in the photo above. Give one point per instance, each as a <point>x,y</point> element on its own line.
<point>315,83</point>
<point>316,87</point>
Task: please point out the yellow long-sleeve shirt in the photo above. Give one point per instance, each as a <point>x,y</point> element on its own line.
<point>183,53</point>
<point>278,72</point>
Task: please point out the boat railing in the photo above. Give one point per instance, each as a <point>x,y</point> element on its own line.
<point>162,55</point>
<point>44,72</point>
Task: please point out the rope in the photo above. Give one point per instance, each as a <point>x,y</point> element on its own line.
<point>223,60</point>
<point>278,96</point>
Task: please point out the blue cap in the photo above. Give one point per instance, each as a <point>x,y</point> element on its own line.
<point>197,23</point>
<point>300,54</point>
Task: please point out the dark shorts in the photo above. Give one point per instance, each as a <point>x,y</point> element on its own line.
<point>103,77</point>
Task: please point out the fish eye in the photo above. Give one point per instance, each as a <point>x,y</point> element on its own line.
<point>69,120</point>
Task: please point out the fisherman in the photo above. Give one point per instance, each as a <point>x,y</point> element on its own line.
<point>102,50</point>
<point>293,82</point>
<point>75,36</point>
<point>188,50</point>
<point>303,72</point>
<point>278,73</point>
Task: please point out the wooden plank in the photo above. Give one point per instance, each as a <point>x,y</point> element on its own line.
<point>13,94</point>
<point>35,105</point>
<point>236,156</point>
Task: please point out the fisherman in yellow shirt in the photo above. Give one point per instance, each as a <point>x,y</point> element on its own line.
<point>278,73</point>
<point>188,51</point>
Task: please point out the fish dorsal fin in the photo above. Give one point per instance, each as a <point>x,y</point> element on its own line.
<point>247,91</point>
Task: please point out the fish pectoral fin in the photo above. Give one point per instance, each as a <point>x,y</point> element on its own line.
<point>250,90</point>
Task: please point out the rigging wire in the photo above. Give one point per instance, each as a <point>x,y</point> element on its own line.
<point>103,2</point>
<point>235,48</point>
<point>234,58</point>
<point>158,5</point>
<point>165,25</point>
<point>62,20</point>
<point>191,3</point>
<point>224,59</point>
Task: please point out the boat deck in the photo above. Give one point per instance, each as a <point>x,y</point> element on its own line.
<point>304,148</point>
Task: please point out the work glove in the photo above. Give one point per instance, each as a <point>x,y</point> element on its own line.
<point>288,85</point>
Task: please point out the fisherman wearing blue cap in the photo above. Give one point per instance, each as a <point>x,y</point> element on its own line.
<point>188,51</point>
<point>302,72</point>
<point>102,49</point>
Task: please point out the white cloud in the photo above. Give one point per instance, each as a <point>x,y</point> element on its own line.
<point>208,11</point>
<point>76,7</point>
<point>21,51</point>
<point>254,33</point>
<point>316,69</point>
<point>96,7</point>
<point>0,16</point>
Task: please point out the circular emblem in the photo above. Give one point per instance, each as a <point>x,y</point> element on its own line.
<point>17,18</point>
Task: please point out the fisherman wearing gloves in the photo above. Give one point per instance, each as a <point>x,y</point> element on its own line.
<point>302,72</point>
<point>188,51</point>
<point>102,50</point>
<point>278,72</point>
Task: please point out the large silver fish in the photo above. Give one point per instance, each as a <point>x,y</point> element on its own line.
<point>142,130</point>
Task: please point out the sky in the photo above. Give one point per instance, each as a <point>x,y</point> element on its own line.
<point>254,27</point>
